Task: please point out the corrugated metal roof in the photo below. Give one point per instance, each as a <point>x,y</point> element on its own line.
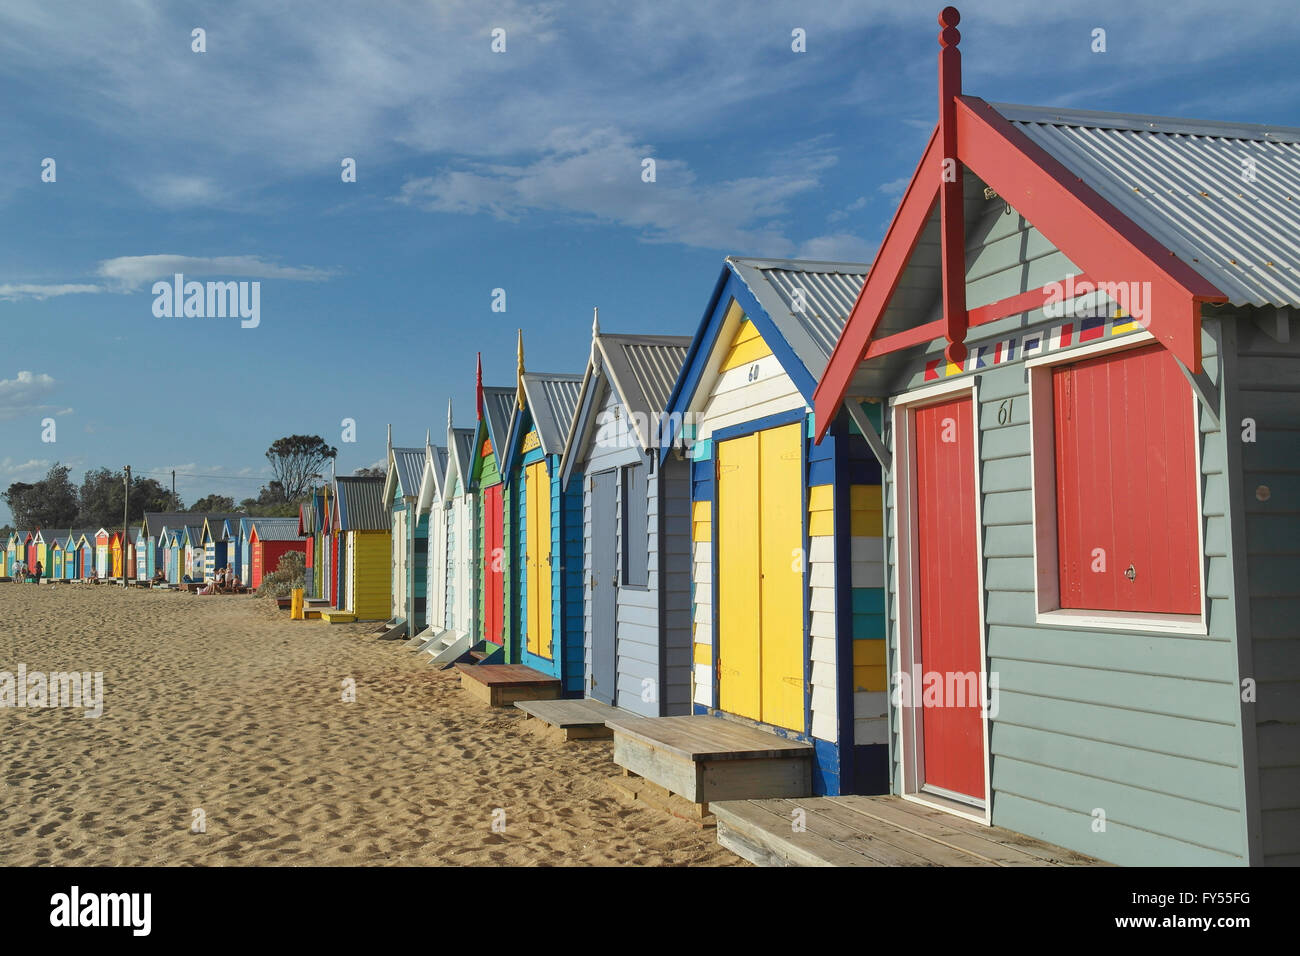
<point>1184,182</point>
<point>498,406</point>
<point>276,529</point>
<point>409,466</point>
<point>643,370</point>
<point>361,504</point>
<point>552,401</point>
<point>825,290</point>
<point>461,451</point>
<point>432,476</point>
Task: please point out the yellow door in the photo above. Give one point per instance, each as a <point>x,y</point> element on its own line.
<point>781,595</point>
<point>738,578</point>
<point>760,577</point>
<point>537,530</point>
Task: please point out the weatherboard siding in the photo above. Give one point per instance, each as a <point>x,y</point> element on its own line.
<point>1142,726</point>
<point>1267,377</point>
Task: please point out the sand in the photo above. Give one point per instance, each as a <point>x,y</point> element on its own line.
<point>221,704</point>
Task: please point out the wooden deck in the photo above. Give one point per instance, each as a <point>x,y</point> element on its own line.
<point>704,759</point>
<point>573,719</point>
<point>501,685</point>
<point>874,831</point>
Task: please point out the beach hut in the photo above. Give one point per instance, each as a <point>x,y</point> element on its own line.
<point>87,554</point>
<point>43,542</point>
<point>175,556</point>
<point>193,555</point>
<point>55,569</point>
<point>543,527</point>
<point>215,537</point>
<point>270,540</point>
<point>29,549</point>
<point>431,506</point>
<point>494,407</point>
<point>307,532</point>
<point>1090,370</point>
<point>458,517</point>
<point>364,538</point>
<point>636,540</point>
<point>787,637</point>
<point>410,539</point>
<point>103,564</point>
<point>9,557</point>
<point>68,569</point>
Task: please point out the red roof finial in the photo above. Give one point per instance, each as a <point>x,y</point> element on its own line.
<point>951,199</point>
<point>478,388</point>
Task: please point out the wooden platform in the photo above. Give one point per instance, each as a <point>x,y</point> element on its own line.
<point>631,789</point>
<point>707,758</point>
<point>874,831</point>
<point>573,719</point>
<point>337,617</point>
<point>501,685</point>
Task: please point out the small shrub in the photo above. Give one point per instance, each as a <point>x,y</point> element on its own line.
<point>290,573</point>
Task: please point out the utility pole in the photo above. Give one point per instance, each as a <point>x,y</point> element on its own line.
<point>174,508</point>
<point>126,506</point>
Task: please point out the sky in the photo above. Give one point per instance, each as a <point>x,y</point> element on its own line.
<point>476,169</point>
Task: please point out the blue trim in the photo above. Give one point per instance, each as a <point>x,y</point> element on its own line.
<point>758,425</point>
<point>728,287</point>
<point>838,437</point>
<point>506,464</point>
<point>585,406</point>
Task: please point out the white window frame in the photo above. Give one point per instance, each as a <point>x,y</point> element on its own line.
<point>1042,457</point>
<point>907,609</point>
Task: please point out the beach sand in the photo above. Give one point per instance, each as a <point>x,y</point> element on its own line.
<point>224,705</point>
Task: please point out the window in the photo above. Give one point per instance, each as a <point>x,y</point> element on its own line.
<point>1116,487</point>
<point>636,528</point>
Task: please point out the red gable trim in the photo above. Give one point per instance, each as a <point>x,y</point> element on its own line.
<point>1090,231</point>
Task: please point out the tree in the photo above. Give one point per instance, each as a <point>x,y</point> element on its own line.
<point>48,503</point>
<point>297,461</point>
<point>213,503</point>
<point>369,472</point>
<point>100,499</point>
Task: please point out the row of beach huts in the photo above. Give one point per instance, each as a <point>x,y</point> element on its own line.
<point>183,546</point>
<point>1005,525</point>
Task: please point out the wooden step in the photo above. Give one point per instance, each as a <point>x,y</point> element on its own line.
<point>501,685</point>
<point>337,617</point>
<point>633,789</point>
<point>705,758</point>
<point>574,719</point>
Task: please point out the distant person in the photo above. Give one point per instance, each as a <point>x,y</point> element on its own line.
<point>20,572</point>
<point>39,571</point>
<point>158,577</point>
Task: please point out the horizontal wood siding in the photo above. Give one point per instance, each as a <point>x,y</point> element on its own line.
<point>1142,726</point>
<point>1268,394</point>
<point>369,595</point>
<point>670,564</point>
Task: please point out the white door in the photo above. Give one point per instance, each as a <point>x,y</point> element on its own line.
<point>398,590</point>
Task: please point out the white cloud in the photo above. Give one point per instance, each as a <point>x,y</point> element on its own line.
<point>32,469</point>
<point>16,291</point>
<point>24,394</point>
<point>895,188</point>
<point>131,271</point>
<point>596,176</point>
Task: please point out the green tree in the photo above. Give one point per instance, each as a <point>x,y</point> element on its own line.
<point>213,503</point>
<point>297,461</point>
<point>100,499</point>
<point>48,503</point>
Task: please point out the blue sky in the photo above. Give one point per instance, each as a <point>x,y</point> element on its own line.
<point>475,171</point>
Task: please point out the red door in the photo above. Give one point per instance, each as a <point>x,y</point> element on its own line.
<point>493,564</point>
<point>952,725</point>
<point>1127,524</point>
<point>256,571</point>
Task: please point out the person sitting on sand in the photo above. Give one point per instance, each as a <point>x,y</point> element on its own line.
<point>158,577</point>
<point>233,583</point>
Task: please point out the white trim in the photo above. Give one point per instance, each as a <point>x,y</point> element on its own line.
<point>911,760</point>
<point>928,393</point>
<point>1128,341</point>
<point>1042,471</point>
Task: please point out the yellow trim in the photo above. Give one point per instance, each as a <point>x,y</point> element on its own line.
<point>701,521</point>
<point>703,654</point>
<point>871,679</point>
<point>869,653</point>
<point>746,348</point>
<point>821,498</point>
